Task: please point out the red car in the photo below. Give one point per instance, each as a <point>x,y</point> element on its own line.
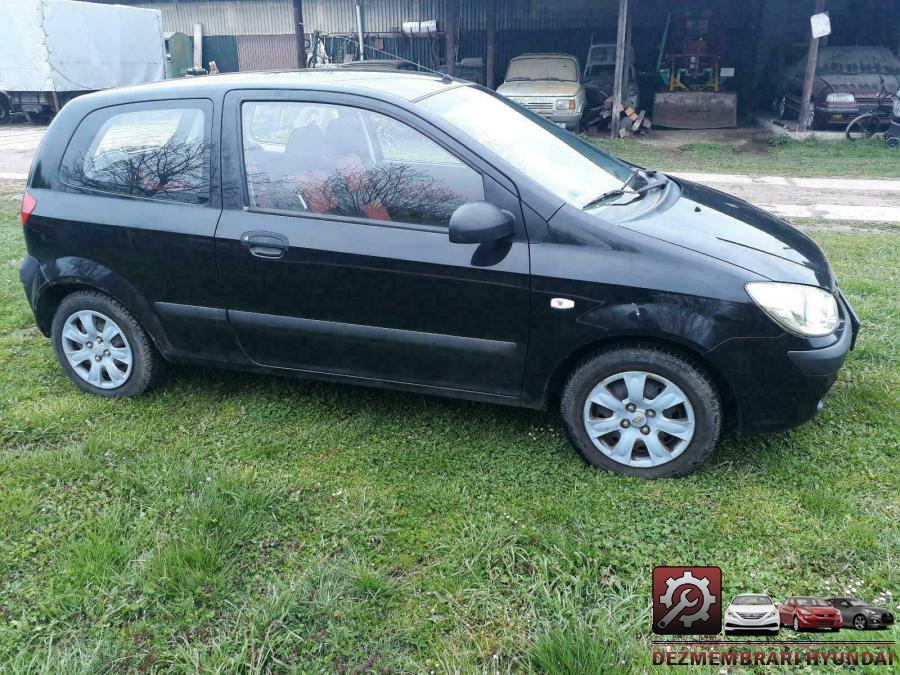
<point>807,613</point>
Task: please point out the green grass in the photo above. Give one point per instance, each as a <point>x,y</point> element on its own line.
<point>811,157</point>
<point>230,522</point>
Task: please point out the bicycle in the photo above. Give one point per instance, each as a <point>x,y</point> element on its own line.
<point>868,124</point>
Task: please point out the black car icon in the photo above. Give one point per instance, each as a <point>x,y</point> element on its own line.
<point>861,615</point>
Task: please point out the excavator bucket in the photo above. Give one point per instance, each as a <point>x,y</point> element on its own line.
<point>695,109</point>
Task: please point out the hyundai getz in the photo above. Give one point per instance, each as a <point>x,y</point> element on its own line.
<point>416,232</point>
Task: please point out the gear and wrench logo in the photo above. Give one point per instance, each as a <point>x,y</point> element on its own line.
<point>687,600</point>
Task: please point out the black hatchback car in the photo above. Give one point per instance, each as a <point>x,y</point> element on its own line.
<point>416,232</point>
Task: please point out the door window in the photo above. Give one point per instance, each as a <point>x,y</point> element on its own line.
<point>344,161</point>
<point>142,151</point>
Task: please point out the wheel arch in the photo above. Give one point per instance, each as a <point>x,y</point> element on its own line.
<point>52,295</point>
<point>561,372</point>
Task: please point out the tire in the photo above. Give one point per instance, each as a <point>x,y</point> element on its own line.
<point>796,624</point>
<point>859,622</point>
<point>141,366</point>
<point>779,107</point>
<point>699,410</point>
<point>810,117</point>
<point>864,126</point>
<point>4,110</point>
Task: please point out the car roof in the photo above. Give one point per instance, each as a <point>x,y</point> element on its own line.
<point>543,55</point>
<point>387,84</point>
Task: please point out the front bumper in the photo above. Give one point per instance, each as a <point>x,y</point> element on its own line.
<point>569,118</point>
<point>780,383</point>
<point>814,622</point>
<point>736,622</point>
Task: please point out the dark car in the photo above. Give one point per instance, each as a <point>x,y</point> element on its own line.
<point>809,613</point>
<point>847,83</point>
<point>861,615</point>
<point>396,230</point>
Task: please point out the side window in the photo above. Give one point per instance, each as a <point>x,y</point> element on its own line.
<point>142,150</point>
<point>344,161</point>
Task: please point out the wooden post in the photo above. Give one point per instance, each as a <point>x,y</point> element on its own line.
<point>812,58</point>
<point>452,27</point>
<point>490,64</point>
<point>620,69</point>
<point>300,32</point>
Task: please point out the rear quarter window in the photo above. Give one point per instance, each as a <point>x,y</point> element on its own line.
<point>158,151</point>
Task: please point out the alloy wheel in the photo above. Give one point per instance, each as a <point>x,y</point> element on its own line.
<point>859,623</point>
<point>639,419</point>
<point>97,349</point>
<point>796,624</point>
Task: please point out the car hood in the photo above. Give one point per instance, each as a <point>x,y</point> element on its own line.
<point>752,609</point>
<point>730,229</point>
<point>820,611</point>
<point>872,607</point>
<point>861,86</point>
<point>539,88</point>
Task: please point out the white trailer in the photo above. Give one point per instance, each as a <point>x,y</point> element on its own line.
<point>54,50</point>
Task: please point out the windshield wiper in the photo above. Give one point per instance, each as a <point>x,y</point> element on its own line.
<point>617,192</point>
<point>623,189</point>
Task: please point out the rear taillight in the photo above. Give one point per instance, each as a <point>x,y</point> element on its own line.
<point>28,204</point>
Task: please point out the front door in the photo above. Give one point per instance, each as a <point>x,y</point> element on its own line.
<point>336,257</point>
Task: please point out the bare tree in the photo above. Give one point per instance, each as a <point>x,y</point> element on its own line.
<point>176,170</point>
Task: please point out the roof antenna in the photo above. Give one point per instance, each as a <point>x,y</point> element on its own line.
<point>447,79</point>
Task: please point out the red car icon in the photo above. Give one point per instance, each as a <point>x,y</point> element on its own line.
<point>809,613</point>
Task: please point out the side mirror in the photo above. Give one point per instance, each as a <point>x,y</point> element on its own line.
<point>479,223</point>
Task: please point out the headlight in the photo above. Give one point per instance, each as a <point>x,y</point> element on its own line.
<point>771,614</point>
<point>870,611</point>
<point>840,98</point>
<point>565,104</point>
<point>804,310</point>
<point>805,612</point>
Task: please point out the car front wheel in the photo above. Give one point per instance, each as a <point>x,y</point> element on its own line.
<point>641,411</point>
<point>796,625</point>
<point>102,347</point>
<point>859,622</point>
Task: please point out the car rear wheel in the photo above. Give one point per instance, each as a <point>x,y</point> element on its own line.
<point>102,347</point>
<point>811,117</point>
<point>779,107</point>
<point>641,411</point>
<point>859,622</point>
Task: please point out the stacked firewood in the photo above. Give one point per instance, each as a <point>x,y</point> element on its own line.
<point>631,122</point>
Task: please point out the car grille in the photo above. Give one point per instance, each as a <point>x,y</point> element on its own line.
<point>748,615</point>
<point>822,621</point>
<point>538,105</point>
<point>887,617</point>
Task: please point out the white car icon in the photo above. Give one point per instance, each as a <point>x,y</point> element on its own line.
<point>752,612</point>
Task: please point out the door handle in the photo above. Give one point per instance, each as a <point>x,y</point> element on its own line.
<point>265,244</point>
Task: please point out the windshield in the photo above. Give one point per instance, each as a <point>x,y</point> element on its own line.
<point>857,61</point>
<point>751,600</point>
<point>811,602</point>
<point>857,603</point>
<point>570,168</point>
<point>543,68</point>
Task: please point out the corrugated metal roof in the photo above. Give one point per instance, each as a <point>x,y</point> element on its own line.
<point>339,16</point>
<point>267,52</point>
<point>246,17</point>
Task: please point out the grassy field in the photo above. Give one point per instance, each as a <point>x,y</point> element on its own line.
<point>871,159</point>
<point>230,522</point>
